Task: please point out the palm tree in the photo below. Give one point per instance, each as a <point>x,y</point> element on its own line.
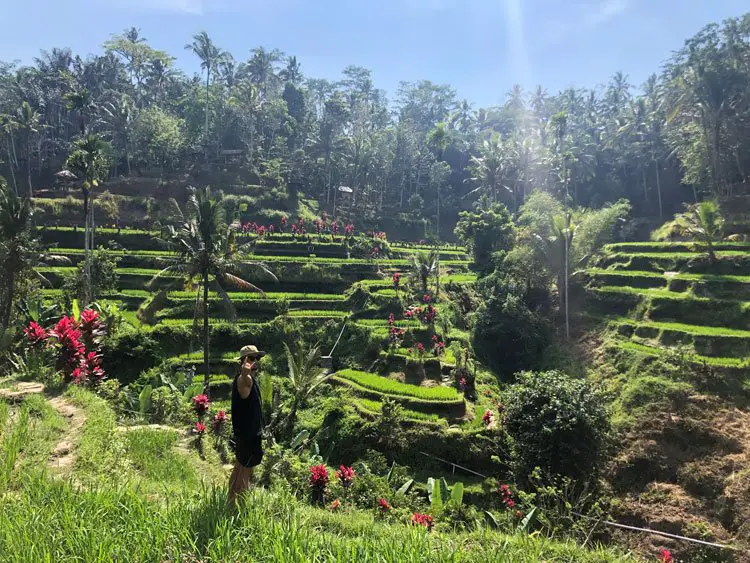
<point>423,265</point>
<point>261,68</point>
<point>28,120</point>
<point>211,56</point>
<point>704,224</point>
<point>9,125</point>
<point>305,376</point>
<point>490,169</point>
<point>80,101</point>
<point>556,249</point>
<point>89,160</point>
<point>293,71</point>
<point>205,255</point>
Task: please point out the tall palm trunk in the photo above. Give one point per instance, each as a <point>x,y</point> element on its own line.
<point>658,187</point>
<point>567,312</point>
<point>208,78</point>
<point>8,290</point>
<point>28,166</point>
<point>12,172</point>
<point>206,378</point>
<point>86,246</point>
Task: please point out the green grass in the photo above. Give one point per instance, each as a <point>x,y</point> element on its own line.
<point>152,454</point>
<point>688,328</point>
<point>387,386</point>
<point>695,358</point>
<point>54,521</point>
<point>375,407</point>
<point>676,276</point>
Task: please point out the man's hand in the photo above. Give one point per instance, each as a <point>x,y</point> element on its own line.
<point>245,383</point>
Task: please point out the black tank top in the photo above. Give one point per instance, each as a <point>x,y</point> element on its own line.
<point>247,414</point>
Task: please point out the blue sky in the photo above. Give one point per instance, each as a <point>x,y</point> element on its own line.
<point>480,47</point>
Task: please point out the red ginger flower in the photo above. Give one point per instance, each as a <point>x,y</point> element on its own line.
<point>506,496</point>
<point>665,556</point>
<point>35,333</point>
<point>384,505</point>
<point>345,475</point>
<point>487,417</point>
<point>425,520</point>
<point>200,428</point>
<point>318,476</point>
<point>200,404</point>
<point>220,419</point>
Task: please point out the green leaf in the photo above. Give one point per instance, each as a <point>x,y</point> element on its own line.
<point>457,494</point>
<point>299,438</point>
<point>76,310</point>
<point>144,400</point>
<point>390,472</point>
<point>491,520</point>
<point>192,390</point>
<point>527,520</point>
<point>243,207</point>
<point>435,496</point>
<point>406,487</point>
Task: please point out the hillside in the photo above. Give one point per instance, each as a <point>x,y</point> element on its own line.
<point>674,352</point>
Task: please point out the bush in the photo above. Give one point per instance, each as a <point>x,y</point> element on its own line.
<point>556,423</point>
<point>103,276</point>
<point>127,356</point>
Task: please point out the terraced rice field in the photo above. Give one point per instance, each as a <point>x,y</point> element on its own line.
<point>661,296</point>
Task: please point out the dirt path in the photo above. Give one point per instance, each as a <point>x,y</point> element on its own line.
<point>19,391</point>
<point>62,456</point>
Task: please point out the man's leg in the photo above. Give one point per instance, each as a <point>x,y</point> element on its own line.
<point>239,481</point>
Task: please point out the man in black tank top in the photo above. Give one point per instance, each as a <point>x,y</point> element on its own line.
<point>247,421</point>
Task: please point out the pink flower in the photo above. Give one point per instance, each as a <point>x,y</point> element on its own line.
<point>335,505</point>
<point>200,404</point>
<point>220,419</point>
<point>384,505</point>
<point>420,347</point>
<point>200,428</point>
<point>345,475</point>
<point>283,221</point>
<point>318,476</point>
<point>462,383</point>
<point>426,298</point>
<point>506,496</point>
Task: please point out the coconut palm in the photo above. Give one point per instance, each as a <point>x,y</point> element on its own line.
<point>704,224</point>
<point>29,121</point>
<point>205,256</point>
<point>555,249</point>
<point>305,376</point>
<point>81,102</point>
<point>423,265</point>
<point>89,160</point>
<point>211,57</point>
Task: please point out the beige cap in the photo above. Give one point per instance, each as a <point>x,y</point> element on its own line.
<point>251,350</point>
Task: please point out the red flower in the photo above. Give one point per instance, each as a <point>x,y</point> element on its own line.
<point>396,280</point>
<point>349,229</point>
<point>420,348</point>
<point>220,419</point>
<point>422,520</point>
<point>426,298</point>
<point>488,393</point>
<point>665,556</point>
<point>89,316</point>
<point>283,221</point>
<point>34,333</point>
<point>519,514</point>
<point>487,417</point>
<point>318,476</point>
<point>200,404</point>
<point>384,506</point>
<point>200,428</point>
<point>462,383</point>
<point>345,475</point>
<point>335,505</point>
<point>506,496</point>
<point>391,319</point>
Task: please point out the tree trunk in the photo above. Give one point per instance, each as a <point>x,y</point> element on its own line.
<point>645,188</point>
<point>567,318</point>
<point>205,140</point>
<point>658,187</point>
<point>8,305</point>
<point>206,378</point>
<point>28,168</point>
<point>86,260</point>
<point>12,172</point>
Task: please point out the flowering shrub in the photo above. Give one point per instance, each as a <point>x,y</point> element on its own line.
<point>506,497</point>
<point>396,278</point>
<point>335,505</point>
<point>318,476</point>
<point>487,418</point>
<point>426,315</point>
<point>438,346</point>
<point>200,405</point>
<point>665,556</point>
<point>200,428</point>
<point>349,230</point>
<point>426,298</point>
<point>345,475</point>
<point>220,419</point>
<point>383,505</point>
<point>35,334</point>
<point>462,384</point>
<point>425,520</point>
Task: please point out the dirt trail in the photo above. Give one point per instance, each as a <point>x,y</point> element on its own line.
<point>63,456</point>
<point>19,391</point>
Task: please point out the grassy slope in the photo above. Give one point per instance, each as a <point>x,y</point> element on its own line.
<point>165,505</point>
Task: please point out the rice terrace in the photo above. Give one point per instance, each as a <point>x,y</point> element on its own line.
<point>250,314</point>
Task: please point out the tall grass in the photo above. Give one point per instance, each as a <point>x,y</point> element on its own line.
<point>52,521</point>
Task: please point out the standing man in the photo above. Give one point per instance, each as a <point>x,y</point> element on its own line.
<point>247,421</point>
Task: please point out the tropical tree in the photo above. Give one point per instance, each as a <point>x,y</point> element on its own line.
<point>704,224</point>
<point>556,250</point>
<point>211,57</point>
<point>28,120</point>
<point>89,160</point>
<point>423,265</point>
<point>305,377</point>
<point>205,256</point>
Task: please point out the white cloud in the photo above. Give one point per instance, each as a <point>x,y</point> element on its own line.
<point>606,11</point>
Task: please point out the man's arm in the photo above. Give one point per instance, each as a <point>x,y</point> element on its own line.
<point>245,380</point>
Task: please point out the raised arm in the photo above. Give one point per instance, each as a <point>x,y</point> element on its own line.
<point>248,371</point>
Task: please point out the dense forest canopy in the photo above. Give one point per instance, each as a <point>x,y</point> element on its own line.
<point>686,131</point>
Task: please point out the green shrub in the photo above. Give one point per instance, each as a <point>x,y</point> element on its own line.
<point>129,354</point>
<point>556,423</point>
<point>103,276</point>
